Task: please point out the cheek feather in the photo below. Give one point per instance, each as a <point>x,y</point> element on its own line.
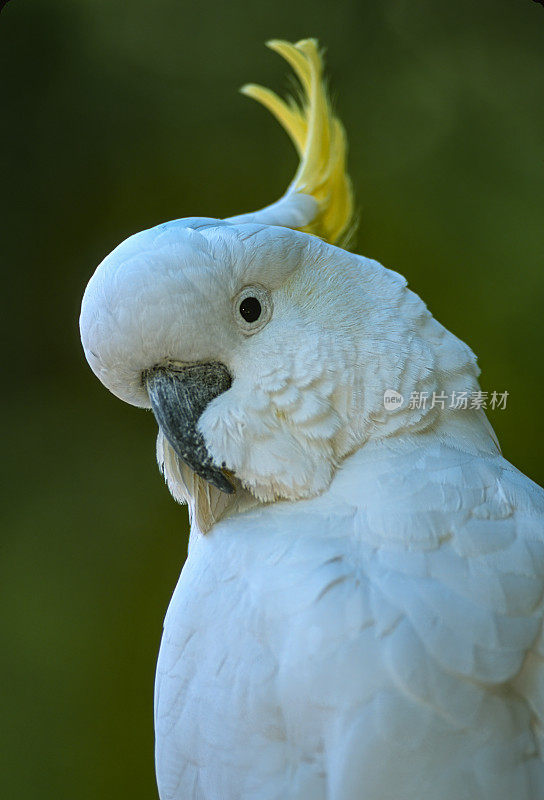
<point>277,431</point>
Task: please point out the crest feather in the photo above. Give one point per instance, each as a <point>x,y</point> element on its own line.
<point>320,141</point>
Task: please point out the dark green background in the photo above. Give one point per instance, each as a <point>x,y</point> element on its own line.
<point>118,115</point>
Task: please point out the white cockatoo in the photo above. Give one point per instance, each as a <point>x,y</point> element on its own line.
<point>360,613</point>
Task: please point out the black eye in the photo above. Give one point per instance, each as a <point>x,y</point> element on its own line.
<point>250,309</point>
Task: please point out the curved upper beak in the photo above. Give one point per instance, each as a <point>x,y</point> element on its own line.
<point>178,395</point>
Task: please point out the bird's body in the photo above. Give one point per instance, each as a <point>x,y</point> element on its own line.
<point>360,614</point>
<point>363,644</point>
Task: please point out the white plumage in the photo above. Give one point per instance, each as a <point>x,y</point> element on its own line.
<point>363,618</point>
<point>364,644</point>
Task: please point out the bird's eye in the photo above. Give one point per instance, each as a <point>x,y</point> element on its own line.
<point>252,308</point>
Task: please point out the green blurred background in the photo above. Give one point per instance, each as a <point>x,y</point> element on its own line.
<point>117,116</point>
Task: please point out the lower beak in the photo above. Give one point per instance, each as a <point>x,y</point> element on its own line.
<point>179,395</point>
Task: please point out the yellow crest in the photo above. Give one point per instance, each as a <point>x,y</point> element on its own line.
<point>319,138</point>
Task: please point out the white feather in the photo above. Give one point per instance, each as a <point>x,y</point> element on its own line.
<point>320,644</point>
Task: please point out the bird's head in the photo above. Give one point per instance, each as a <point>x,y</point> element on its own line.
<point>263,350</point>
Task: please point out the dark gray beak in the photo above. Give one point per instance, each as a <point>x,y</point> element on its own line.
<point>179,395</point>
